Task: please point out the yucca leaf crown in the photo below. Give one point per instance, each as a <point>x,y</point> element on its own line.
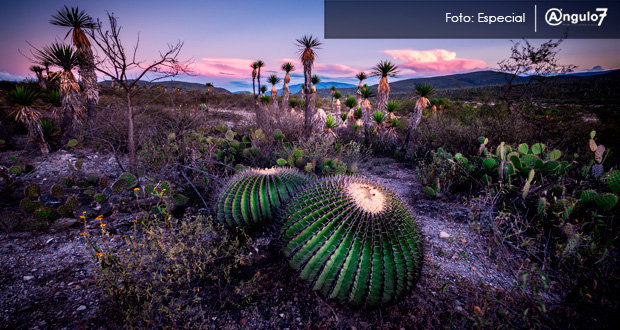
<point>254,196</point>
<point>355,241</point>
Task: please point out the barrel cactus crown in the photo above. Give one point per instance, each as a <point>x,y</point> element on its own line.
<point>255,195</point>
<point>355,241</point>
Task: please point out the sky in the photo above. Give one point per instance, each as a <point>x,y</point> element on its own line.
<point>223,37</point>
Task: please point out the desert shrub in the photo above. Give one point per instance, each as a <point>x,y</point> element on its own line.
<point>164,274</point>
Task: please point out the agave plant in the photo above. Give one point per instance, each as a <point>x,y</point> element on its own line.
<point>23,99</point>
<point>66,58</point>
<point>254,196</point>
<point>353,240</point>
<point>77,21</point>
<point>384,69</point>
<point>424,91</point>
<point>287,67</point>
<point>307,46</point>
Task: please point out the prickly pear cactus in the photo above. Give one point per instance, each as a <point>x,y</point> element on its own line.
<point>355,241</point>
<point>254,196</point>
<point>613,181</point>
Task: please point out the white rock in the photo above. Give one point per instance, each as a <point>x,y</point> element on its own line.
<point>444,235</point>
<point>81,308</point>
<point>28,278</point>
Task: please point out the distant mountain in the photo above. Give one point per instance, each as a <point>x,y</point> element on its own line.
<point>294,89</point>
<point>184,85</point>
<point>590,73</point>
<point>457,81</point>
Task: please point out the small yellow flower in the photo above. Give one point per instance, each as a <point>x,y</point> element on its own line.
<point>83,212</point>
<point>82,217</point>
<point>83,234</point>
<point>102,225</point>
<point>134,220</point>
<point>136,189</point>
<point>99,254</point>
<point>124,235</point>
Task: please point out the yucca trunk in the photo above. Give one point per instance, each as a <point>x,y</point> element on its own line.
<point>359,92</point>
<point>337,103</point>
<point>308,96</point>
<point>285,91</point>
<point>89,80</point>
<point>383,93</point>
<point>416,117</point>
<point>274,94</point>
<point>366,111</point>
<point>72,106</point>
<point>41,80</point>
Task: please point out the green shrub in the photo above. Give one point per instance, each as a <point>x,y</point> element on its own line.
<point>353,240</point>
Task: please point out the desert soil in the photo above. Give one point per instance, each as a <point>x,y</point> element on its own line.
<point>47,275</point>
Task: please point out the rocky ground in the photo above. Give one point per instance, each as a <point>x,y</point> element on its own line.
<point>48,275</point>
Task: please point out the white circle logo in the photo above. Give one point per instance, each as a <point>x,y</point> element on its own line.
<point>553,16</point>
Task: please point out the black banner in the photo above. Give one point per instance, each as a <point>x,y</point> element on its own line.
<point>472,19</point>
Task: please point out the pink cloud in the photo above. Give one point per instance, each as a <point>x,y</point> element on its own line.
<point>434,61</point>
<point>223,67</point>
<point>330,70</point>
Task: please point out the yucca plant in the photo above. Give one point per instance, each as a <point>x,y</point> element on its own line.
<point>337,96</point>
<point>350,102</point>
<point>259,65</point>
<point>287,67</point>
<point>210,87</point>
<point>361,77</point>
<point>315,80</point>
<point>391,107</point>
<point>263,90</point>
<point>367,93</point>
<point>265,99</point>
<point>384,69</point>
<point>424,91</point>
<point>78,21</point>
<point>307,54</point>
<point>353,240</point>
<point>254,196</point>
<point>38,71</point>
<point>379,118</point>
<point>254,67</point>
<point>330,124</point>
<point>23,100</point>
<point>274,80</point>
<point>66,58</point>
<point>293,103</point>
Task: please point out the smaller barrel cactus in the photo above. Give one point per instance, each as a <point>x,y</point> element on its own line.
<point>254,196</point>
<point>355,241</point>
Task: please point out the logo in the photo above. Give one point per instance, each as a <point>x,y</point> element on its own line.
<point>555,17</point>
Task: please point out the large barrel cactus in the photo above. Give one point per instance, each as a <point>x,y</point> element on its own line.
<point>355,241</point>
<point>254,196</point>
